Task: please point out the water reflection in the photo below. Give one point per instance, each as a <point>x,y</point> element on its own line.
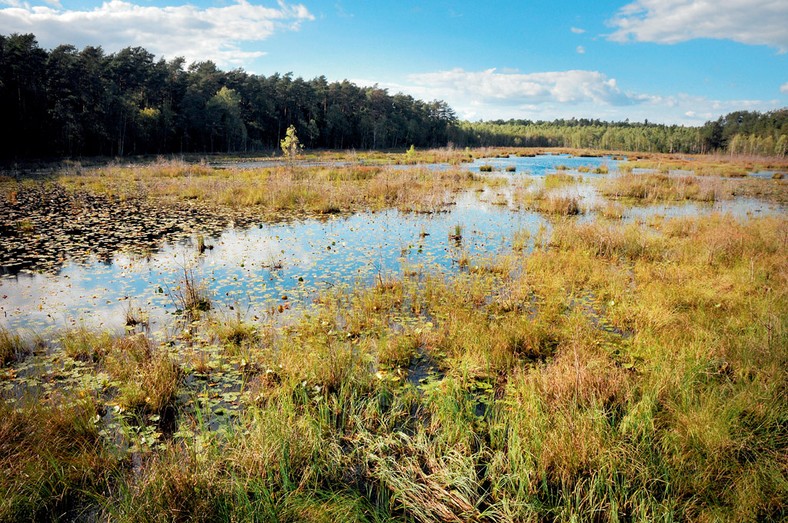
<point>737,207</point>
<point>254,269</point>
<point>544,164</point>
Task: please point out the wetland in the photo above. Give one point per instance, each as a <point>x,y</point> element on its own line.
<point>459,335</point>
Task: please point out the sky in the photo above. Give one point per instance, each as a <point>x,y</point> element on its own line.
<point>666,61</point>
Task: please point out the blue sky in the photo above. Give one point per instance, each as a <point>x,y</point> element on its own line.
<point>668,61</point>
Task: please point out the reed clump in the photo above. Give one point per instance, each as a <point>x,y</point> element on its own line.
<point>12,348</point>
<point>663,187</point>
<point>146,376</point>
<point>191,295</point>
<point>558,179</point>
<point>564,205</point>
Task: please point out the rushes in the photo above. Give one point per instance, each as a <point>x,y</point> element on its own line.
<point>661,187</point>
<point>190,295</point>
<point>11,346</point>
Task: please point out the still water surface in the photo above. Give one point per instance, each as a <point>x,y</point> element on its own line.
<point>253,270</point>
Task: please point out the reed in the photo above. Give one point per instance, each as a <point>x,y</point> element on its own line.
<point>12,348</point>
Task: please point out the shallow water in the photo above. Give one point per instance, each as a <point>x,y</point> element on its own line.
<point>256,270</point>
<point>259,268</point>
<point>544,164</point>
<point>737,207</point>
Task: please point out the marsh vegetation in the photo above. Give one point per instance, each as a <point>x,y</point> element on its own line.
<point>535,344</point>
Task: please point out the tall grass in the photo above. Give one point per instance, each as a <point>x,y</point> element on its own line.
<point>11,346</point>
<point>616,371</point>
<point>311,189</point>
<point>660,187</point>
<point>53,464</point>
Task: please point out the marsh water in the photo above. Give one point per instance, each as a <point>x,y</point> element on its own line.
<point>268,267</point>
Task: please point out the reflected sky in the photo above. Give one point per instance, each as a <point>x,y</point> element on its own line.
<point>253,269</point>
<point>544,164</point>
<point>256,269</point>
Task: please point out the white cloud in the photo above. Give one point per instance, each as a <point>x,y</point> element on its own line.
<point>493,94</point>
<point>491,86</point>
<point>577,30</point>
<point>212,33</point>
<point>580,49</point>
<point>755,22</point>
<point>784,88</point>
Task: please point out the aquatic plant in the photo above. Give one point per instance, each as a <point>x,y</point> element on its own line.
<point>190,295</point>
<point>559,204</point>
<point>558,179</point>
<point>11,346</point>
<point>456,233</point>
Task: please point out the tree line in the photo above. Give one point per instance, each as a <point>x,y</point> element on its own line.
<point>70,102</point>
<point>742,132</point>
<point>67,102</point>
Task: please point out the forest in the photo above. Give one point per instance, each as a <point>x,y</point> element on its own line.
<point>740,132</point>
<point>67,102</point>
